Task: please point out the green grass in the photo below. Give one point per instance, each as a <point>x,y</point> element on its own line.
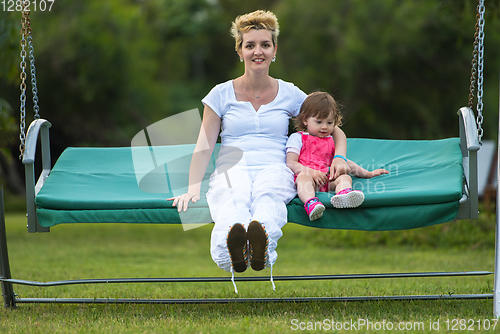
<point>112,251</point>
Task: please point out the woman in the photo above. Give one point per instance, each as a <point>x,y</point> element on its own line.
<point>248,200</point>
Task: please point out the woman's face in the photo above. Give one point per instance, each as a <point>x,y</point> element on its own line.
<point>257,49</point>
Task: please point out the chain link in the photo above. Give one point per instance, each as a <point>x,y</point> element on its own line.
<point>480,62</point>
<point>477,69</point>
<point>26,45</point>
<point>24,31</point>
<point>474,65</point>
<point>34,88</point>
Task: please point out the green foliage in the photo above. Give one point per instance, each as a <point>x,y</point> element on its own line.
<point>107,69</point>
<point>400,68</point>
<point>9,45</point>
<point>101,70</point>
<point>8,74</point>
<point>8,126</point>
<point>462,234</point>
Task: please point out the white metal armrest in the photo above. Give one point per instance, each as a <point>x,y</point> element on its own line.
<point>37,127</point>
<point>469,143</point>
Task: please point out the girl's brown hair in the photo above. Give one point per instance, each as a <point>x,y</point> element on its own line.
<point>256,20</point>
<point>320,105</point>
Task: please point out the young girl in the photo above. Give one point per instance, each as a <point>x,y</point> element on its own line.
<point>311,155</point>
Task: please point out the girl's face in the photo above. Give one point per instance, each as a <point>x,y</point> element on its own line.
<point>257,49</point>
<point>320,127</point>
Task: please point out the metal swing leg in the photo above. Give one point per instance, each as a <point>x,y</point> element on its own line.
<point>7,290</point>
<point>496,292</point>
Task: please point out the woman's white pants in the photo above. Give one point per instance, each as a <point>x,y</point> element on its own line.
<point>242,194</point>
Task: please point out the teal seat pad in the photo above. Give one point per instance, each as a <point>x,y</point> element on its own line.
<point>131,185</point>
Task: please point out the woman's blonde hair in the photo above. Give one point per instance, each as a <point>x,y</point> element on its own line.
<point>256,20</point>
<point>320,105</point>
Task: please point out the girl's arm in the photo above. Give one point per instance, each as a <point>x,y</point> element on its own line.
<point>203,150</point>
<point>339,166</point>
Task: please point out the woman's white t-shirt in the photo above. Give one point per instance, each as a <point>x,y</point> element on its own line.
<point>261,134</point>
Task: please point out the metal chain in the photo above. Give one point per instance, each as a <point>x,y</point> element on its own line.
<point>480,48</point>
<point>477,69</point>
<point>26,41</point>
<point>474,65</point>
<point>34,88</point>
<point>24,27</point>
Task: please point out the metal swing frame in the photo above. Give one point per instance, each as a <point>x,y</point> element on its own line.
<point>470,139</point>
<point>40,129</point>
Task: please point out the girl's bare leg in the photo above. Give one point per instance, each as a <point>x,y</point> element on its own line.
<point>305,187</point>
<point>342,182</point>
<point>351,199</point>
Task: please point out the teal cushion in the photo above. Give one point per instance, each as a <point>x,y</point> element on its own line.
<point>130,185</point>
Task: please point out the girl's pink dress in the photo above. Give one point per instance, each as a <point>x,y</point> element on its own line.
<point>317,153</point>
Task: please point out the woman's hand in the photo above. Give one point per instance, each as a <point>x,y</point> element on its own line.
<point>319,178</point>
<point>339,167</point>
<point>181,202</point>
<point>199,161</point>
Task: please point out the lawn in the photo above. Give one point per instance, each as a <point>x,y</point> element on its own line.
<point>123,250</point>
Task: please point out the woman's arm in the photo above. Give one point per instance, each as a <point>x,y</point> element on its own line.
<point>203,150</point>
<point>292,161</point>
<point>339,166</point>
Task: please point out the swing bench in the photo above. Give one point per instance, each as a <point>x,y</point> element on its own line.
<point>430,182</point>
<point>99,185</point>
